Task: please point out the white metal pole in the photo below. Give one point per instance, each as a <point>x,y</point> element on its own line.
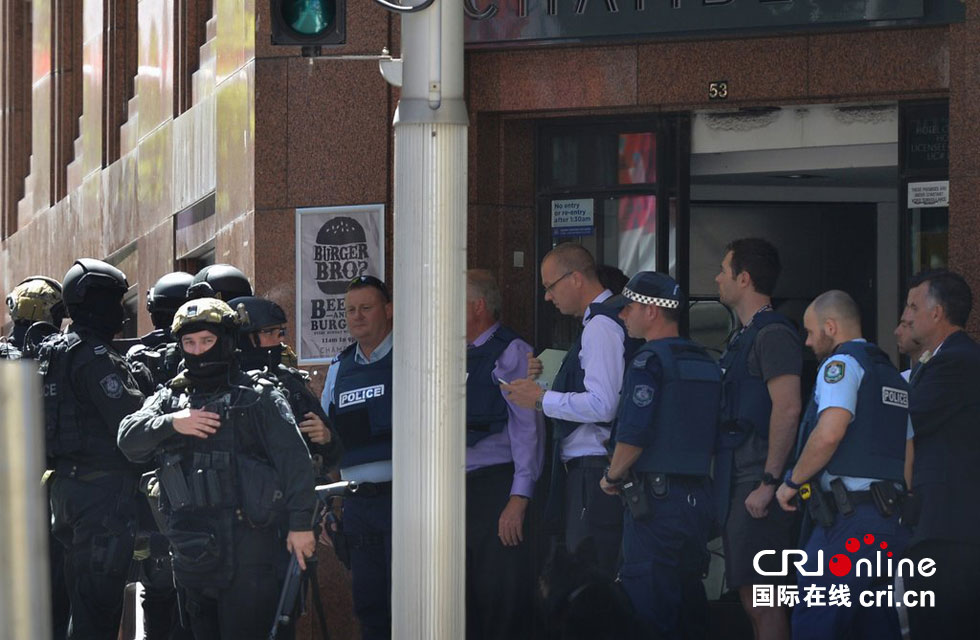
<point>429,492</point>
<point>25,591</point>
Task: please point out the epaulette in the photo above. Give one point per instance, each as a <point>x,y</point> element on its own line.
<point>100,350</point>
<point>640,361</point>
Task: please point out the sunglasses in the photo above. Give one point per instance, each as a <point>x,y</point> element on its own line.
<point>279,332</point>
<point>369,281</point>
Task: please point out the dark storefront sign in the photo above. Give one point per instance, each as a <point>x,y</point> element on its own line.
<point>527,21</point>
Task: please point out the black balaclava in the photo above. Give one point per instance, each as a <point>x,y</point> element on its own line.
<point>211,369</point>
<point>255,357</point>
<point>102,312</point>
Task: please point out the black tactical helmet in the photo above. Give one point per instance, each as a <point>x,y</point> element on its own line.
<point>169,292</point>
<point>261,313</point>
<point>221,281</point>
<point>87,275</point>
<point>36,299</point>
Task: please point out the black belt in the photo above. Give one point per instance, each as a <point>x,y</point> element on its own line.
<point>854,497</point>
<point>371,489</point>
<point>85,473</point>
<point>677,479</point>
<point>587,462</point>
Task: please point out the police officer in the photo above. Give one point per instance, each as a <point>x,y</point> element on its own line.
<point>36,299</point>
<point>221,281</point>
<point>36,302</point>
<point>849,469</point>
<point>87,391</point>
<point>235,476</point>
<point>504,454</point>
<point>357,397</point>
<point>664,438</point>
<point>760,413</point>
<point>582,404</point>
<point>158,349</point>
<point>261,349</point>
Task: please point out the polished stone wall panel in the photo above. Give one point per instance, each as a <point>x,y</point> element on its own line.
<point>235,135</point>
<point>155,188</point>
<point>154,84</point>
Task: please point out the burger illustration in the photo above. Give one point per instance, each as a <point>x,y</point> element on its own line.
<point>341,254</point>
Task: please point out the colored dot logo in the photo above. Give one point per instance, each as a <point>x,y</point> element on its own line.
<point>840,565</point>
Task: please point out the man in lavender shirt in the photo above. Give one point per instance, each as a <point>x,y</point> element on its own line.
<point>582,403</point>
<point>504,454</point>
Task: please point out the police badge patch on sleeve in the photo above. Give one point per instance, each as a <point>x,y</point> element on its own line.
<point>284,410</point>
<point>112,385</point>
<point>833,372</point>
<point>642,395</point>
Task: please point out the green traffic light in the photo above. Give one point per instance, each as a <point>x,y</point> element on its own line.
<point>309,17</point>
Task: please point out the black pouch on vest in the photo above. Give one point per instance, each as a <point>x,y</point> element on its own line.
<point>635,497</point>
<point>885,496</point>
<point>262,499</point>
<point>659,484</point>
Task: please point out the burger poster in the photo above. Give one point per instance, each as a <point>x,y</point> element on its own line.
<point>334,245</point>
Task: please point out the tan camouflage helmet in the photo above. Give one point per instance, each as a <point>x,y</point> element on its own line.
<point>36,299</point>
<point>205,311</point>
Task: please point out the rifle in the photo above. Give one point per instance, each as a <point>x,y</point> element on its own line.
<point>289,607</point>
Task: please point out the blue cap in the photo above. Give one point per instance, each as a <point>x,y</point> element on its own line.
<point>650,287</point>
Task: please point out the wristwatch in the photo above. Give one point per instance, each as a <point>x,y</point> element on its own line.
<point>770,480</point>
<point>615,483</point>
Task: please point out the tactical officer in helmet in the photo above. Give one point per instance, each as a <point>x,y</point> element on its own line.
<point>88,390</point>
<point>36,309</point>
<point>261,348</point>
<point>664,438</point>
<point>35,301</point>
<point>158,349</point>
<point>235,476</point>
<point>221,281</point>
<point>849,469</point>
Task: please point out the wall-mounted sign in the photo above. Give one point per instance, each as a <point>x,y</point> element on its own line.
<point>572,218</point>
<point>334,245</point>
<point>923,195</point>
<point>521,21</point>
<point>927,137</point>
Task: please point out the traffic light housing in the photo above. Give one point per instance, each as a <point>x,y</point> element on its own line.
<point>309,23</point>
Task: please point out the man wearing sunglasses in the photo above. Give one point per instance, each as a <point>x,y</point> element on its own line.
<point>357,397</point>
<point>261,346</point>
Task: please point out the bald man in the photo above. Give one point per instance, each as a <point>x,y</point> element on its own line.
<point>848,473</point>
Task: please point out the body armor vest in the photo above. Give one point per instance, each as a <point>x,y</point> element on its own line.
<point>571,375</point>
<point>361,408</point>
<point>746,405</point>
<point>874,444</point>
<point>486,409</point>
<point>685,420</point>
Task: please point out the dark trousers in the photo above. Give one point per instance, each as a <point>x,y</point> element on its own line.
<point>90,520</point>
<point>246,608</point>
<point>161,619</point>
<point>591,514</point>
<point>663,558</point>
<point>60,604</point>
<point>499,593</point>
<point>824,621</point>
<point>367,525</point>
<point>956,613</point>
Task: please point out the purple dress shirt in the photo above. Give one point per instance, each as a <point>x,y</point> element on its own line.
<point>522,441</point>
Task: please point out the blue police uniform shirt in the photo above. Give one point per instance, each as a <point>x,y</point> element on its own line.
<point>838,381</point>
<point>383,349</point>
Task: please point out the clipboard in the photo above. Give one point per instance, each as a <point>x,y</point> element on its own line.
<point>551,360</point>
